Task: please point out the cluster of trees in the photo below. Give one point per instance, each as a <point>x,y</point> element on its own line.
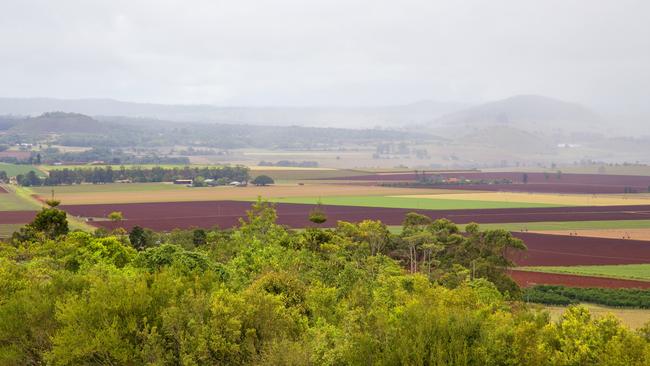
<point>560,295</point>
<point>107,155</point>
<point>265,295</point>
<point>107,174</point>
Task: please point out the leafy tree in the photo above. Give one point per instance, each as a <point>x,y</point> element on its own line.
<point>317,214</point>
<point>50,221</point>
<point>199,237</point>
<point>139,238</point>
<point>262,180</point>
<point>115,216</point>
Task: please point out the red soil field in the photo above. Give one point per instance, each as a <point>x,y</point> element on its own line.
<point>561,250</point>
<point>527,279</point>
<point>170,215</point>
<point>16,217</point>
<point>537,182</point>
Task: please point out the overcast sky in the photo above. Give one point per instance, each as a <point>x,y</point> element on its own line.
<point>307,52</point>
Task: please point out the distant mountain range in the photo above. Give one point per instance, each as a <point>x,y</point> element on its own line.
<point>348,117</point>
<point>531,113</point>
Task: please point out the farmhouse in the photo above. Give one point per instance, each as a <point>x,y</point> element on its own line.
<point>183,181</point>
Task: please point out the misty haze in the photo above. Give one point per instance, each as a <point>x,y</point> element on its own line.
<point>325,182</point>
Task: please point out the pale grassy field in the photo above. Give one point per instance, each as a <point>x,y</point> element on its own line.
<point>633,318</point>
<point>624,271</point>
<point>634,234</point>
<point>103,194</point>
<point>553,199</point>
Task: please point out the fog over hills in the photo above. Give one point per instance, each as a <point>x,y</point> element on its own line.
<point>349,117</point>
<point>532,113</point>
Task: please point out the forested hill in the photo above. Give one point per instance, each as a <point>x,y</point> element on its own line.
<point>74,129</point>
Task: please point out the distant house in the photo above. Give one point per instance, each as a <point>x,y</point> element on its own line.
<point>183,181</point>
<point>124,181</point>
<point>238,184</point>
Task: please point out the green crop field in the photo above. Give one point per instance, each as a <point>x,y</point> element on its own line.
<point>407,202</point>
<point>571,225</point>
<point>15,169</point>
<point>111,187</point>
<point>11,202</point>
<point>627,271</point>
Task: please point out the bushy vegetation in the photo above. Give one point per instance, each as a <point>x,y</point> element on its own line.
<point>560,295</point>
<point>135,174</point>
<point>265,295</point>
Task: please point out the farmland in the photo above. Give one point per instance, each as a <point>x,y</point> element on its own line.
<point>546,222</point>
<point>530,278</point>
<point>159,192</point>
<point>566,183</point>
<point>625,271</point>
<point>636,234</point>
<point>544,199</point>
<point>15,169</point>
<point>428,202</point>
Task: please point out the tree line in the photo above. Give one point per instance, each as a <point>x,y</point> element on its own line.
<point>262,294</point>
<point>98,175</point>
<point>561,295</point>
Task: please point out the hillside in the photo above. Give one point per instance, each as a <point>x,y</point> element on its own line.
<point>511,139</point>
<point>529,112</point>
<point>58,123</point>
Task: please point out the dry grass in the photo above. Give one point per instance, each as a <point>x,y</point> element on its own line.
<point>556,199</point>
<point>633,318</point>
<point>634,234</point>
<point>233,193</point>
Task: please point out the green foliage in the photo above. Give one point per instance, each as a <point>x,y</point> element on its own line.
<point>115,216</point>
<point>49,222</point>
<point>262,180</point>
<point>560,295</point>
<point>265,295</point>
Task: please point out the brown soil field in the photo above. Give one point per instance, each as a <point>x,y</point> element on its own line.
<point>562,250</point>
<point>2,190</point>
<point>527,279</point>
<point>235,193</point>
<point>209,213</point>
<point>16,217</point>
<point>537,182</point>
<point>633,234</point>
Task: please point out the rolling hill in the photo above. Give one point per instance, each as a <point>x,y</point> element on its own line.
<point>531,113</point>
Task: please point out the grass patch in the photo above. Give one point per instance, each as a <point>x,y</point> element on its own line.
<point>15,169</point>
<point>407,202</point>
<point>16,199</point>
<point>625,271</point>
<point>7,229</point>
<point>571,225</point>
